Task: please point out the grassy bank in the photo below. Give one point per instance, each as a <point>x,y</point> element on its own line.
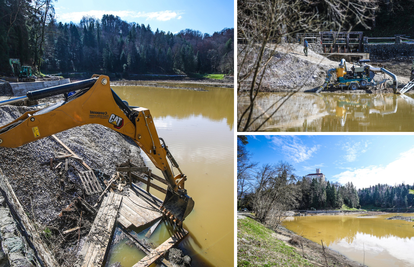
<point>258,246</point>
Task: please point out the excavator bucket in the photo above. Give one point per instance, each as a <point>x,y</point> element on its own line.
<point>177,205</point>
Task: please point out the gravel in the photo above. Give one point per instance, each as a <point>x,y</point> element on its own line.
<point>37,187</point>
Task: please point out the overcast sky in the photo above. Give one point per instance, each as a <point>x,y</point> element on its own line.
<point>174,16</point>
<point>364,160</point>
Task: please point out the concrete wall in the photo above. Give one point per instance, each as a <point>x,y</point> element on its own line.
<point>20,89</point>
<point>389,51</point>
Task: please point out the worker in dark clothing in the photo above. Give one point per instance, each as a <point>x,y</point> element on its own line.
<point>305,49</point>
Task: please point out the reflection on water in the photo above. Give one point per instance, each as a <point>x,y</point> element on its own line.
<point>198,129</point>
<point>385,242</point>
<point>216,104</point>
<point>332,112</point>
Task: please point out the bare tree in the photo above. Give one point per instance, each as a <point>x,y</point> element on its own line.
<point>244,168</point>
<point>265,24</point>
<point>42,13</point>
<point>276,192</point>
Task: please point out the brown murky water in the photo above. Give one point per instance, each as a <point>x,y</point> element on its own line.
<point>198,129</point>
<point>309,112</point>
<point>384,242</point>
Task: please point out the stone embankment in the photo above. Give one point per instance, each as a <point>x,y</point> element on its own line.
<point>288,68</point>
<point>408,219</point>
<point>15,250</point>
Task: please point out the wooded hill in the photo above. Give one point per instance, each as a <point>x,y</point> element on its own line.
<point>386,196</point>
<point>29,32</point>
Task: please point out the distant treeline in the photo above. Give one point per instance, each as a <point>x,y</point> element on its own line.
<point>386,196</point>
<point>320,194</point>
<point>392,17</point>
<point>29,32</point>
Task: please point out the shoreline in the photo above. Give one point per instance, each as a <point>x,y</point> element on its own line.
<point>305,248</point>
<point>172,84</point>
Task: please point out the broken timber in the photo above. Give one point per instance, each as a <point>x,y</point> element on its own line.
<point>97,241</point>
<point>161,249</point>
<point>137,211</point>
<point>139,208</point>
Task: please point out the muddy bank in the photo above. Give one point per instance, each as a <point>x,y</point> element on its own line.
<point>402,218</point>
<point>196,85</point>
<point>314,251</point>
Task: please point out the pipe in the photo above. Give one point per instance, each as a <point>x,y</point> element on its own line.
<point>393,76</point>
<point>60,89</point>
<point>371,68</point>
<point>13,100</point>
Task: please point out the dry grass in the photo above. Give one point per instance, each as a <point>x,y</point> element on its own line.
<point>257,246</point>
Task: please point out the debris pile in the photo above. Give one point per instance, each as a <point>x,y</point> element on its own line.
<point>47,179</point>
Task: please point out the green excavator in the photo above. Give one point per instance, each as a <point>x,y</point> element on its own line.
<point>23,73</point>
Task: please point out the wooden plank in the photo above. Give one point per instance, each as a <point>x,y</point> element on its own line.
<point>147,199</point>
<point>88,248</point>
<point>149,210</point>
<point>142,210</point>
<point>131,216</point>
<point>151,199</point>
<point>85,183</point>
<point>156,187</point>
<point>92,182</point>
<point>99,236</point>
<point>70,151</point>
<point>161,249</point>
<point>139,206</point>
<point>132,169</point>
<point>158,178</point>
<point>124,221</point>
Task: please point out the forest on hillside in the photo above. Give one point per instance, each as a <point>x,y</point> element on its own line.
<point>386,196</point>
<point>29,32</point>
<point>390,18</point>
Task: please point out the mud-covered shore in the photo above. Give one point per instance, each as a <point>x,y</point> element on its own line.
<point>196,85</point>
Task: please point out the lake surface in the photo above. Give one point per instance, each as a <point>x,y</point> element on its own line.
<point>197,126</point>
<point>310,112</point>
<point>384,242</point>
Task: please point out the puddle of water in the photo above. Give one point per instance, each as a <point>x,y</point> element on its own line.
<point>309,112</point>
<point>198,129</point>
<point>384,242</point>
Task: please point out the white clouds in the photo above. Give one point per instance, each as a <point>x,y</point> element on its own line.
<point>396,172</point>
<point>352,150</point>
<point>165,15</point>
<point>293,148</point>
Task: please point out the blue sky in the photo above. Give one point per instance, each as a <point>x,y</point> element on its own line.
<point>363,160</point>
<point>174,16</point>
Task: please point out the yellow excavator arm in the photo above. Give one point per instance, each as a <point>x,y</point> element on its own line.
<point>95,102</point>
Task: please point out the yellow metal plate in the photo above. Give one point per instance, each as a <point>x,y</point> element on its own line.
<point>36,132</point>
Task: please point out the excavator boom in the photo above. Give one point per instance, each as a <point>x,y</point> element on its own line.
<point>95,102</point>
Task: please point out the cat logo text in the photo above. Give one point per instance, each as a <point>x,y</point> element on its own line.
<point>117,121</point>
